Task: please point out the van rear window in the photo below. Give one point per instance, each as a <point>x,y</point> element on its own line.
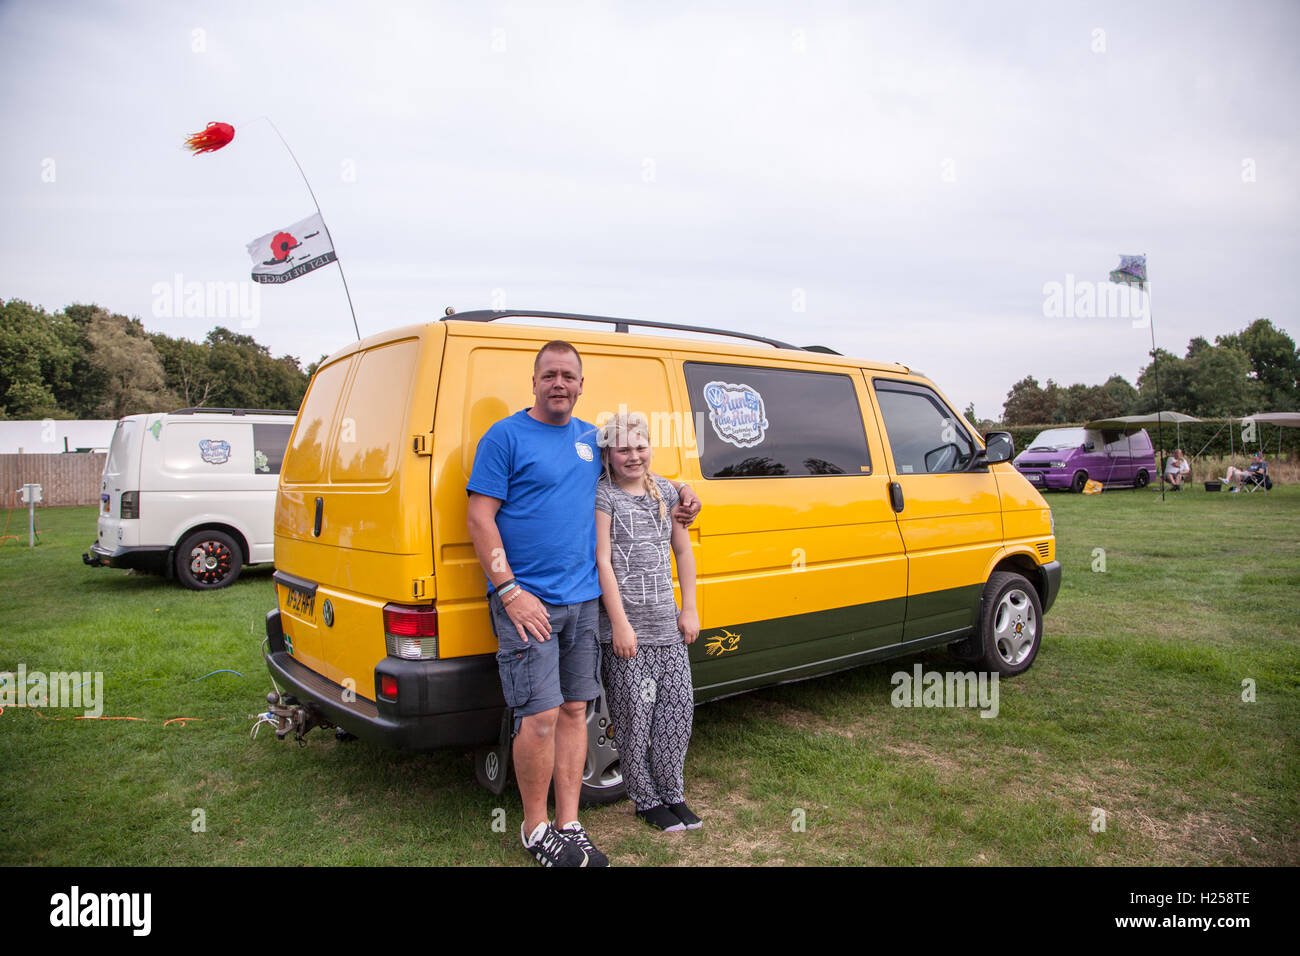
<point>369,435</point>
<point>753,422</point>
<point>118,450</point>
<point>306,457</point>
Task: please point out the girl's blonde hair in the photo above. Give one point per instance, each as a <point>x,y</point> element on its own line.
<point>614,433</point>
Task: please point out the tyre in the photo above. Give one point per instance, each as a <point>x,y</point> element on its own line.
<point>207,560</point>
<point>1080,479</point>
<point>602,778</point>
<point>1011,624</point>
<point>1142,479</point>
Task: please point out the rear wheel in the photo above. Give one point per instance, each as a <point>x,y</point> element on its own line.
<point>1142,479</point>
<point>207,560</point>
<point>1011,624</point>
<point>1080,479</point>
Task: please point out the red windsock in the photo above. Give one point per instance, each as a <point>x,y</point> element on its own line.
<point>211,139</point>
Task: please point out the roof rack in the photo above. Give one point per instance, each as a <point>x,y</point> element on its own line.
<point>620,325</point>
<point>234,411</point>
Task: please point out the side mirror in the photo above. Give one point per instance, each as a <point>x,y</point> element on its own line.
<point>999,447</point>
<point>1087,446</point>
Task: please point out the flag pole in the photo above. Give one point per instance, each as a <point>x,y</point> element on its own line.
<point>312,193</point>
<point>1155,368</point>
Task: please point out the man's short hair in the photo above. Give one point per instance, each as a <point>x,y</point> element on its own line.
<point>556,345</point>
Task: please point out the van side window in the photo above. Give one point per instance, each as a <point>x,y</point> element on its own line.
<point>269,441</point>
<point>926,437</point>
<point>752,422</point>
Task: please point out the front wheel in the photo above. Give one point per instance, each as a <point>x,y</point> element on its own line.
<point>1011,624</point>
<point>1080,479</point>
<point>602,777</point>
<point>207,560</point>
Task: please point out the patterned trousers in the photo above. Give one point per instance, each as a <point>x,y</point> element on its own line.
<point>653,705</point>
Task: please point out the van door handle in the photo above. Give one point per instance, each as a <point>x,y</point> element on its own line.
<point>320,513</point>
<point>896,496</point>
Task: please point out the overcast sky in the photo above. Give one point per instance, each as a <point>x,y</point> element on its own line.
<point>897,181</point>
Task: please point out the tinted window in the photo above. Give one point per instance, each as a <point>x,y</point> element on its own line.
<point>752,422</point>
<point>268,446</point>
<point>924,434</point>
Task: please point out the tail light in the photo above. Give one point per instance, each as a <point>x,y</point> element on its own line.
<point>411,633</point>
<point>130,507</point>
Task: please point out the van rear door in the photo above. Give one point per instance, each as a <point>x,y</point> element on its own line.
<point>352,522</point>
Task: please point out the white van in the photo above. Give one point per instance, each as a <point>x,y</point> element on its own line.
<point>191,493</point>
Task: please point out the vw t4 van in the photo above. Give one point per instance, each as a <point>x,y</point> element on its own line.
<point>191,494</point>
<point>1064,459</point>
<point>850,516</point>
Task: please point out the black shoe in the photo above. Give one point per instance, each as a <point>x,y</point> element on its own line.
<point>683,813</point>
<point>576,835</point>
<point>661,818</point>
<point>552,848</point>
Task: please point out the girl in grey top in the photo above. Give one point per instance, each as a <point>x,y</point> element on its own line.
<point>643,634</point>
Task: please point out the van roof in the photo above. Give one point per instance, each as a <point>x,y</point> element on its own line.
<point>488,323</point>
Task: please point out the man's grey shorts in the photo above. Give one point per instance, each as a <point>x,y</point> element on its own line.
<point>538,675</point>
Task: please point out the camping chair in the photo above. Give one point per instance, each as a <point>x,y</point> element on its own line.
<point>1252,483</point>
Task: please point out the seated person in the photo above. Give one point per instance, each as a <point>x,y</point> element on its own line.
<point>1256,473</point>
<point>1177,469</point>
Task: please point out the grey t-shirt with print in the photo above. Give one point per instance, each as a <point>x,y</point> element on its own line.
<point>641,555</point>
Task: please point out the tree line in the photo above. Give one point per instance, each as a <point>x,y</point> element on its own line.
<point>86,362</point>
<point>1254,370</point>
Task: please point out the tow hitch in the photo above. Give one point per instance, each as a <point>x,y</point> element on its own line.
<point>287,716</point>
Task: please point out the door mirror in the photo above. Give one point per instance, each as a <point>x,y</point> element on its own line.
<point>998,447</point>
<point>1087,446</point>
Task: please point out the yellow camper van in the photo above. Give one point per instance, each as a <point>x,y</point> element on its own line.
<point>850,516</point>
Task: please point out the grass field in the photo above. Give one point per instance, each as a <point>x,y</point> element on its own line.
<point>1134,708</point>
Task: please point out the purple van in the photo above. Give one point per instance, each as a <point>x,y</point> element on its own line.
<point>1065,458</point>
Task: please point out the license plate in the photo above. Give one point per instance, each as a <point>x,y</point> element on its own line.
<point>299,601</point>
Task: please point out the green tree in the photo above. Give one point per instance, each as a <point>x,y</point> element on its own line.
<point>1028,404</point>
<point>1274,363</point>
<point>36,363</point>
<point>128,363</point>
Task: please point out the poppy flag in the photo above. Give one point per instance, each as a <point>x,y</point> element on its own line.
<point>290,252</point>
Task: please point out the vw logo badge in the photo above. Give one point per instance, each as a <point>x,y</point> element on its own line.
<point>491,765</point>
<point>327,612</point>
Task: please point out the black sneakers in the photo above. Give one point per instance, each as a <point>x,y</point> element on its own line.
<point>576,835</point>
<point>683,813</point>
<point>662,818</point>
<point>550,847</point>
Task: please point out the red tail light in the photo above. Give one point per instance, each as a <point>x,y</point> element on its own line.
<point>388,686</point>
<point>411,633</point>
<point>403,621</point>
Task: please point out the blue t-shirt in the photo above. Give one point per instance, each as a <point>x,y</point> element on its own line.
<point>545,477</point>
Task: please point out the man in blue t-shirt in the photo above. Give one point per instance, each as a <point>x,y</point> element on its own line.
<point>532,496</point>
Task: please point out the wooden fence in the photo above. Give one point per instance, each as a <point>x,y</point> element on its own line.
<point>69,479</point>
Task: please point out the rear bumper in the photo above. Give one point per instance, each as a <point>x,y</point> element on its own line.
<point>440,703</point>
<point>1051,576</point>
<point>144,559</point>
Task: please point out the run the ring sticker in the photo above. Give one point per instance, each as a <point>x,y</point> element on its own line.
<point>736,413</point>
